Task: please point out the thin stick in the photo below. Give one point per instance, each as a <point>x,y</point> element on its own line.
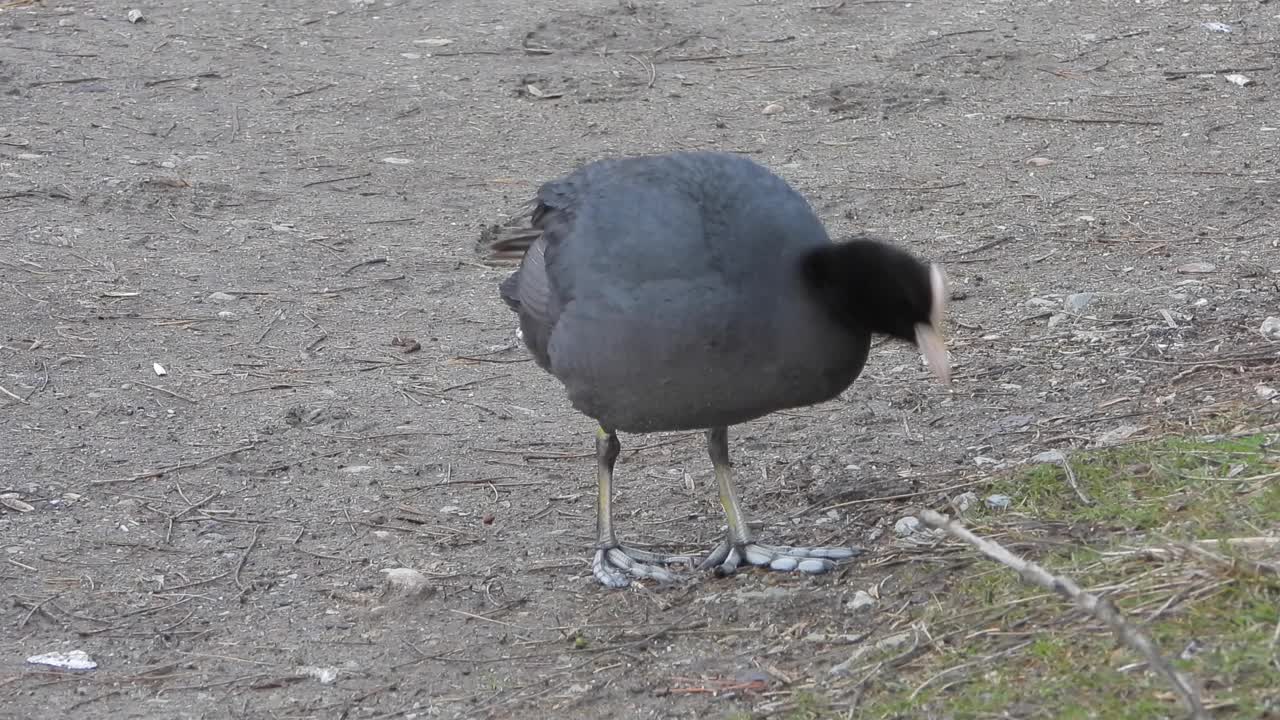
<point>170,393</point>
<point>279,314</point>
<point>68,81</point>
<point>649,67</point>
<point>1059,458</point>
<point>313,183</point>
<point>15,397</point>
<point>245,558</point>
<point>986,246</point>
<point>197,76</point>
<point>158,472</point>
<point>1100,608</point>
<point>364,263</point>
<point>1086,121</point>
<point>1180,74</point>
<point>316,89</point>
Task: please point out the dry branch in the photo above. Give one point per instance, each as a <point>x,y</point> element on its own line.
<point>1099,608</point>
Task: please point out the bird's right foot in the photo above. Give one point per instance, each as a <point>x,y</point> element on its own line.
<point>727,557</point>
<point>615,566</point>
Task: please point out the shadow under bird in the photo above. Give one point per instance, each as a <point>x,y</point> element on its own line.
<point>697,290</point>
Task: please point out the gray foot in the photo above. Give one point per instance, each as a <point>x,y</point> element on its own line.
<point>614,567</point>
<point>726,558</point>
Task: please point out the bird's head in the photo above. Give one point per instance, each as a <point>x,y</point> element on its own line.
<point>877,287</point>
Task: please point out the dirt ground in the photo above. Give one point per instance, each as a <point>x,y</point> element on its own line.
<point>278,204</point>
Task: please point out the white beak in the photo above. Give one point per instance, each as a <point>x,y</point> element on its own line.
<point>929,336</point>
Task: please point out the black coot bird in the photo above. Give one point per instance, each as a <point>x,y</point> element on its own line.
<point>697,291</point>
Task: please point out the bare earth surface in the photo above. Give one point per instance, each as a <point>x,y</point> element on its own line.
<point>277,202</point>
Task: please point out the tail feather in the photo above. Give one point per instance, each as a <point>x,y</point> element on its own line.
<point>506,243</point>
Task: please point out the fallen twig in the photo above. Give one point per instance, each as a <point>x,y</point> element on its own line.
<point>1057,457</point>
<point>1180,74</point>
<point>197,76</point>
<point>68,81</point>
<point>1086,121</point>
<point>170,393</point>
<point>313,183</point>
<point>158,472</point>
<point>364,263</point>
<point>15,397</point>
<point>1099,608</point>
<point>244,559</point>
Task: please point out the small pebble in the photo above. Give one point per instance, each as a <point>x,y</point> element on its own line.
<point>772,109</point>
<point>1077,302</point>
<point>999,502</point>
<point>325,675</point>
<point>1116,435</point>
<point>1197,268</point>
<point>1011,423</point>
<point>908,525</point>
<point>1270,328</point>
<point>1049,456</point>
<point>964,501</point>
<point>405,581</point>
<point>861,601</point>
<point>220,297</point>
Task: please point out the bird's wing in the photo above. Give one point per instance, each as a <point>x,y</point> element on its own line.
<point>530,291</point>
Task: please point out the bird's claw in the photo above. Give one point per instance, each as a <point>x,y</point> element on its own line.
<point>615,566</point>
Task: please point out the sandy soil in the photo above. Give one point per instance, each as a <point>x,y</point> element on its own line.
<point>278,203</point>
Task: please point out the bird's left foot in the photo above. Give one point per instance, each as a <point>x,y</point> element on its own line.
<point>726,558</point>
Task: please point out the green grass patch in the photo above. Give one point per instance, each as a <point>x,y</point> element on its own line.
<point>998,648</point>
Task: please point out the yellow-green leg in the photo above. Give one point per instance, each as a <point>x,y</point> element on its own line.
<point>738,545</point>
<point>614,564</point>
